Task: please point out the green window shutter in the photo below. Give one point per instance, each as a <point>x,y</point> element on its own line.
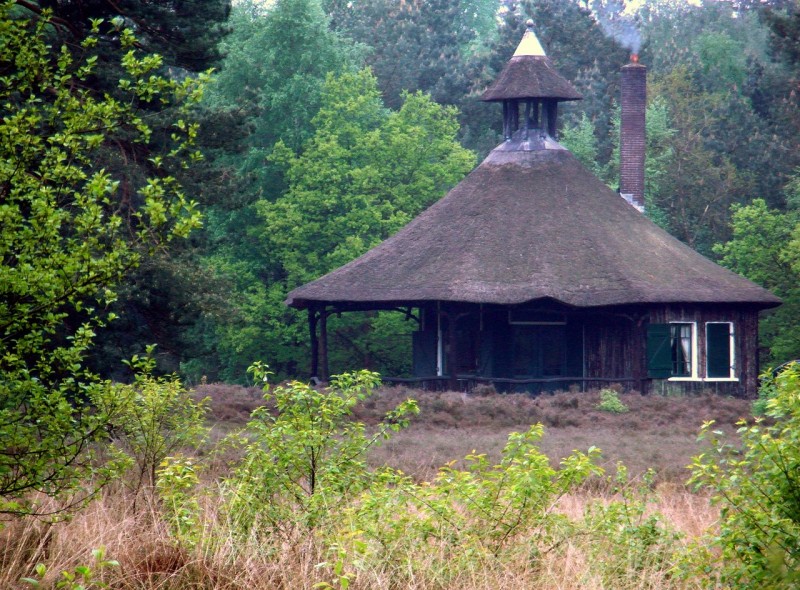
<point>659,352</point>
<point>718,350</point>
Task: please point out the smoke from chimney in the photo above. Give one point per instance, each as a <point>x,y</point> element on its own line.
<point>620,26</point>
<point>632,141</point>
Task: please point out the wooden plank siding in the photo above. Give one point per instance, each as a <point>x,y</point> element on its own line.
<point>609,345</point>
<point>745,323</point>
<point>604,346</point>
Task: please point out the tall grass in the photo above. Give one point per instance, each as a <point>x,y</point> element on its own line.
<point>132,528</point>
<point>150,558</point>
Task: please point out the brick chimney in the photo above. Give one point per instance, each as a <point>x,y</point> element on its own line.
<point>632,132</point>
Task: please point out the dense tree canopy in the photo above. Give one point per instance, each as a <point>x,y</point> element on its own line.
<point>765,247</point>
<point>292,184</point>
<point>69,234</point>
<point>363,174</point>
<point>185,34</point>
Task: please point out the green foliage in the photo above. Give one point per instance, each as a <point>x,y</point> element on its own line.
<point>727,98</point>
<point>766,391</point>
<point>417,46</point>
<point>67,239</point>
<point>83,577</point>
<point>159,417</point>
<point>186,35</point>
<point>755,483</point>
<point>373,172</point>
<point>476,514</point>
<point>722,58</point>
<point>277,58</point>
<point>365,172</point>
<point>581,141</point>
<point>610,402</point>
<point>765,248</point>
<point>177,480</point>
<point>304,461</point>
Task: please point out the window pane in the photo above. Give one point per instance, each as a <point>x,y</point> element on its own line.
<point>718,350</point>
<point>681,350</point>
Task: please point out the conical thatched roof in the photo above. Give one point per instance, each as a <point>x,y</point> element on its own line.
<point>530,74</point>
<point>526,225</point>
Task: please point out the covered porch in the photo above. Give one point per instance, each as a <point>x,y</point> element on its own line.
<point>546,345</point>
<point>536,347</point>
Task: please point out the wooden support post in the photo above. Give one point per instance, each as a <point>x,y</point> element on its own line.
<point>640,354</point>
<point>323,345</point>
<point>514,116</point>
<point>312,330</point>
<point>527,118</point>
<point>452,355</point>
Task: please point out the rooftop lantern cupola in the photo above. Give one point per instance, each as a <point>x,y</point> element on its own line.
<point>530,82</point>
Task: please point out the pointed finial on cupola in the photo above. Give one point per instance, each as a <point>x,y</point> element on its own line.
<point>530,43</point>
<point>530,79</point>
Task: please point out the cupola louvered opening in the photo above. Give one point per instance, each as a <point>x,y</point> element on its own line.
<point>530,83</point>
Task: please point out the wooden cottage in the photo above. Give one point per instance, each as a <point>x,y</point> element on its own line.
<point>531,274</point>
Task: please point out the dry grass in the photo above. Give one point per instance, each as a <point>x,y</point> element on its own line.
<point>657,432</point>
<point>150,559</point>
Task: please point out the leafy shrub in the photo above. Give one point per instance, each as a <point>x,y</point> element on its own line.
<point>83,577</point>
<point>768,388</point>
<point>610,402</point>
<point>305,459</point>
<point>757,485</point>
<point>480,513</point>
<point>177,480</point>
<point>159,418</point>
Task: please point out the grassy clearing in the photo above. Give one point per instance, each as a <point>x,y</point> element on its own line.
<point>657,433</point>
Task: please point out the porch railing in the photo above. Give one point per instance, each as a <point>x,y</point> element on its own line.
<point>469,382</point>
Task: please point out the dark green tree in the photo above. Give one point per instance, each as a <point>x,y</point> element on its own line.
<point>185,34</point>
<point>69,235</point>
<point>415,45</point>
<point>737,91</point>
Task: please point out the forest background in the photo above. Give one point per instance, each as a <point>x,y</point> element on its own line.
<point>327,125</point>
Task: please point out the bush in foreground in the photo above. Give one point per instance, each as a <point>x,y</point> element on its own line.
<point>757,485</point>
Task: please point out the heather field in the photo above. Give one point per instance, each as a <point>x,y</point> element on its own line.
<point>467,526</point>
<point>658,433</point>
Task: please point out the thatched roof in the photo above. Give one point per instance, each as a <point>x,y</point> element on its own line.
<point>530,74</point>
<point>527,225</point>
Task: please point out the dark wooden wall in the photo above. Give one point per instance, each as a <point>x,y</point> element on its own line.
<point>606,345</point>
<point>610,343</point>
<point>745,321</point>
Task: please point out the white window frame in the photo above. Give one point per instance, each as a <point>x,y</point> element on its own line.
<point>732,343</point>
<point>695,376</point>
